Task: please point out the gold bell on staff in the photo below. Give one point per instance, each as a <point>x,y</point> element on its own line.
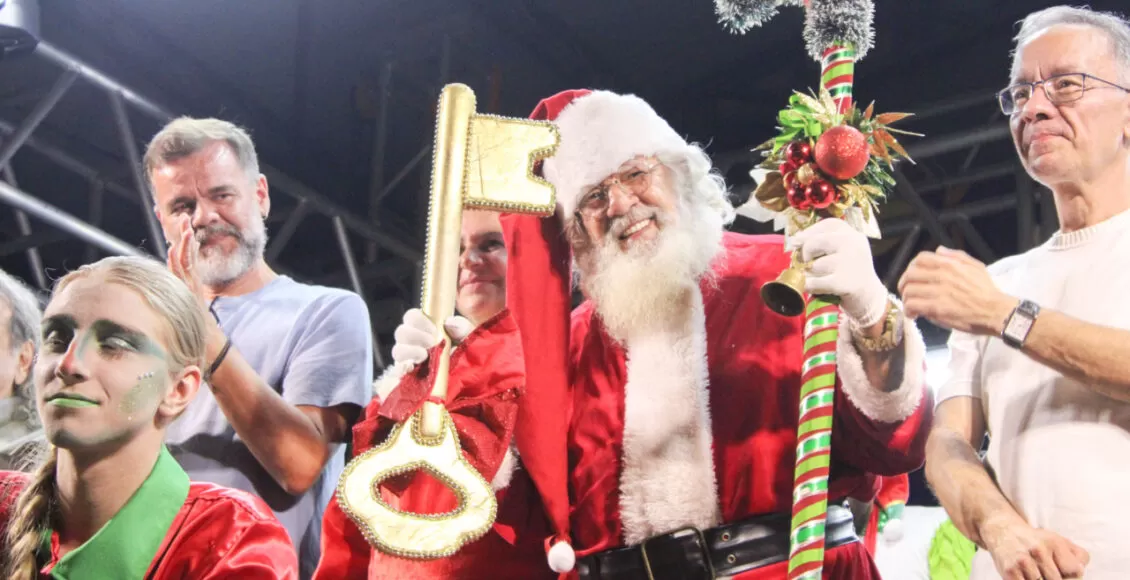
<point>785,295</point>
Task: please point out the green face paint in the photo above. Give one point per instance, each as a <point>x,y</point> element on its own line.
<point>110,340</point>
<point>148,388</point>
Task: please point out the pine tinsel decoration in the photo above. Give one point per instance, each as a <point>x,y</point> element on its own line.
<point>839,22</point>
<point>739,16</point>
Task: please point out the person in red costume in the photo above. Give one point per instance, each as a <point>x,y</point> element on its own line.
<point>122,347</point>
<point>681,386</point>
<point>484,396</point>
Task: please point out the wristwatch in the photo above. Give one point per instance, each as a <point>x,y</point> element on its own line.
<point>891,336</point>
<point>1019,323</point>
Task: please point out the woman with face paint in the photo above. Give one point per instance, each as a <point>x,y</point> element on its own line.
<point>121,356</point>
<point>484,411</point>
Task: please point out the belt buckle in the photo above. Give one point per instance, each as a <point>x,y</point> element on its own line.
<point>703,547</point>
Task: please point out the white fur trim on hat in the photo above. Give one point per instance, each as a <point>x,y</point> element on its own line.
<point>561,557</point>
<point>898,404</point>
<point>599,132</point>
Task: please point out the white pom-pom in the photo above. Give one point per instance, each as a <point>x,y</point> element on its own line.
<point>893,531</point>
<point>561,557</point>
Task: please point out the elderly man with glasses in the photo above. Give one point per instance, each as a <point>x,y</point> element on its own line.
<point>1040,350</point>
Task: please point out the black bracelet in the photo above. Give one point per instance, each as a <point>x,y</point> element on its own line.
<point>216,363</point>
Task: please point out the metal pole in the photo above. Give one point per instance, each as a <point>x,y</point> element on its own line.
<point>963,178</point>
<point>929,219</point>
<point>65,60</point>
<point>380,138</point>
<point>355,279</point>
<point>977,148</point>
<point>95,214</point>
<point>44,106</point>
<point>157,238</point>
<point>33,241</point>
<point>396,179</point>
<point>952,104</point>
<point>54,216</point>
<point>957,141</point>
<point>979,244</point>
<point>34,260</point>
<point>327,207</point>
<point>976,209</point>
<point>902,256</point>
<point>287,230</point>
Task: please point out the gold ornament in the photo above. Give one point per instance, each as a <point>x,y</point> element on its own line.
<point>417,535</point>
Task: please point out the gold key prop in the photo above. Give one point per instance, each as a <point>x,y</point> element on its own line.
<point>478,162</point>
<point>417,535</point>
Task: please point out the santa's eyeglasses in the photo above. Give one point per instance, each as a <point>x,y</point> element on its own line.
<point>634,181</point>
<point>1060,89</point>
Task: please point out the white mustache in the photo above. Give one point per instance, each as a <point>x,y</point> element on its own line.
<point>637,214</point>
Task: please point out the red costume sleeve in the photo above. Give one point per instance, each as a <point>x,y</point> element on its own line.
<point>224,534</point>
<point>879,447</point>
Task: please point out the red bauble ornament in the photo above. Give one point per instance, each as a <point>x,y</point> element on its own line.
<point>820,194</point>
<point>842,152</point>
<point>786,168</point>
<point>798,197</point>
<point>798,152</point>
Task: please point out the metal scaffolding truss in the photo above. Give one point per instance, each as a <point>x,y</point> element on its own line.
<point>947,162</point>
<point>122,101</point>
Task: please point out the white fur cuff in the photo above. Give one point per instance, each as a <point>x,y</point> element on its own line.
<point>506,469</point>
<point>898,404</point>
<point>390,379</point>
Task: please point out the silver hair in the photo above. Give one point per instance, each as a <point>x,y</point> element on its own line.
<point>1114,26</point>
<point>185,136</point>
<point>26,317</point>
<point>704,184</point>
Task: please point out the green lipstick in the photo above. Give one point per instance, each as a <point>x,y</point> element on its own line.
<point>72,402</point>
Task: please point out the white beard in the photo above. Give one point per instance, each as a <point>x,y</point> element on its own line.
<point>646,288</point>
<point>217,268</point>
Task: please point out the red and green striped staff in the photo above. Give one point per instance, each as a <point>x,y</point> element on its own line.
<point>818,381</point>
<point>805,187</point>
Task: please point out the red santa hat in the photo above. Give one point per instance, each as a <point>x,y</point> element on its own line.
<point>599,132</point>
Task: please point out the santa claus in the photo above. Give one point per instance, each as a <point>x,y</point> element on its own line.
<point>673,389</point>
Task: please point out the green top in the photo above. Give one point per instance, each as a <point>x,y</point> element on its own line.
<point>125,547</point>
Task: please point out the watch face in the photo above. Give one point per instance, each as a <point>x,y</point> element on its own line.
<point>1018,327</point>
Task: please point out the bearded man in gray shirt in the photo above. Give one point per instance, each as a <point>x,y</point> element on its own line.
<point>290,364</point>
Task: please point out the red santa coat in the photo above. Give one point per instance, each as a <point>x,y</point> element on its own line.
<point>635,474</point>
<point>217,533</point>
<point>485,386</point>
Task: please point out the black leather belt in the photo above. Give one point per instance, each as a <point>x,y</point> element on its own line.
<point>692,554</point>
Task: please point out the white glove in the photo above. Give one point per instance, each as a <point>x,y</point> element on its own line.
<point>841,265</point>
<point>417,334</point>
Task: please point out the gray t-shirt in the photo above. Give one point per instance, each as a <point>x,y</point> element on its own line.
<point>313,345</point>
